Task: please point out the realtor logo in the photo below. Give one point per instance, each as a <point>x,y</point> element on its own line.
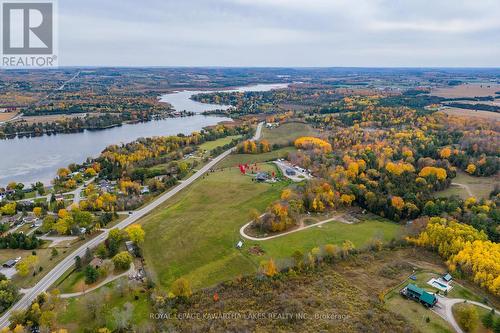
<point>28,29</point>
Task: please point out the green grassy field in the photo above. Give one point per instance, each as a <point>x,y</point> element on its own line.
<point>195,234</point>
<point>328,233</point>
<point>417,314</point>
<point>348,288</point>
<point>74,317</point>
<point>69,285</point>
<point>234,159</point>
<point>481,312</point>
<point>45,260</point>
<point>287,133</point>
<point>480,187</point>
<point>209,145</point>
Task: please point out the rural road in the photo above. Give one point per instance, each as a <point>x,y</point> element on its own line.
<point>67,262</point>
<point>445,310</point>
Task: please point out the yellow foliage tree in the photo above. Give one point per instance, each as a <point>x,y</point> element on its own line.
<point>9,208</point>
<point>24,266</point>
<point>471,168</point>
<point>466,249</point>
<point>347,199</point>
<point>181,288</point>
<point>62,213</point>
<point>399,168</point>
<point>135,233</point>
<point>37,211</point>
<point>269,268</point>
<point>439,173</point>
<point>309,142</point>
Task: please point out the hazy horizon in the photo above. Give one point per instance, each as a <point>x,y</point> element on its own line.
<point>279,33</point>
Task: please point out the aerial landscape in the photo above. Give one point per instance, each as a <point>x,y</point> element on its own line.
<point>268,183</point>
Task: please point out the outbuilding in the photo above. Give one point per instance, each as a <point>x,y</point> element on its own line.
<point>9,263</point>
<point>130,247</point>
<point>447,277</point>
<point>262,176</point>
<point>96,263</point>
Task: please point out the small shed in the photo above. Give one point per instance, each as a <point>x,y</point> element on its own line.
<point>447,277</point>
<point>239,245</point>
<point>9,263</point>
<point>96,262</point>
<point>262,176</point>
<point>130,247</point>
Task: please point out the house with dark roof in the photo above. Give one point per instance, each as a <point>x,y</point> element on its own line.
<point>420,295</point>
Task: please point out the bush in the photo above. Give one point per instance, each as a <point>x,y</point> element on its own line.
<point>488,320</point>
<point>122,260</point>
<point>91,275</point>
<point>467,317</point>
<point>181,288</point>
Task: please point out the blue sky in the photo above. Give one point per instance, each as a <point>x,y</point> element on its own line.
<point>416,33</point>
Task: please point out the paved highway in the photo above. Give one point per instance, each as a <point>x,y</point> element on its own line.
<point>67,262</point>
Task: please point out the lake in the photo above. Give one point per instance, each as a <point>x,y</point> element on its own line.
<point>28,160</point>
<point>181,100</point>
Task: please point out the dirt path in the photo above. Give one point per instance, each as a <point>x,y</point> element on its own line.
<point>105,281</point>
<point>337,218</point>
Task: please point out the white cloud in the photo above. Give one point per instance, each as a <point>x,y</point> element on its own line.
<point>280,32</point>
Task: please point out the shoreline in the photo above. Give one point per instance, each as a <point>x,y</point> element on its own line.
<point>39,166</point>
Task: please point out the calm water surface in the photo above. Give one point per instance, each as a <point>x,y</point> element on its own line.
<point>28,160</point>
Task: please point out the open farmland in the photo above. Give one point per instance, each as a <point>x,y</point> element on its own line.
<point>467,90</point>
<point>206,253</point>
<point>472,113</point>
<point>287,133</point>
<point>6,116</point>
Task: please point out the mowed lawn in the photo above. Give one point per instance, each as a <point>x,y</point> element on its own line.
<point>45,261</point>
<point>287,133</point>
<point>209,145</point>
<point>329,233</point>
<point>480,187</point>
<point>194,234</point>
<point>235,159</point>
<point>417,314</point>
<point>75,316</point>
